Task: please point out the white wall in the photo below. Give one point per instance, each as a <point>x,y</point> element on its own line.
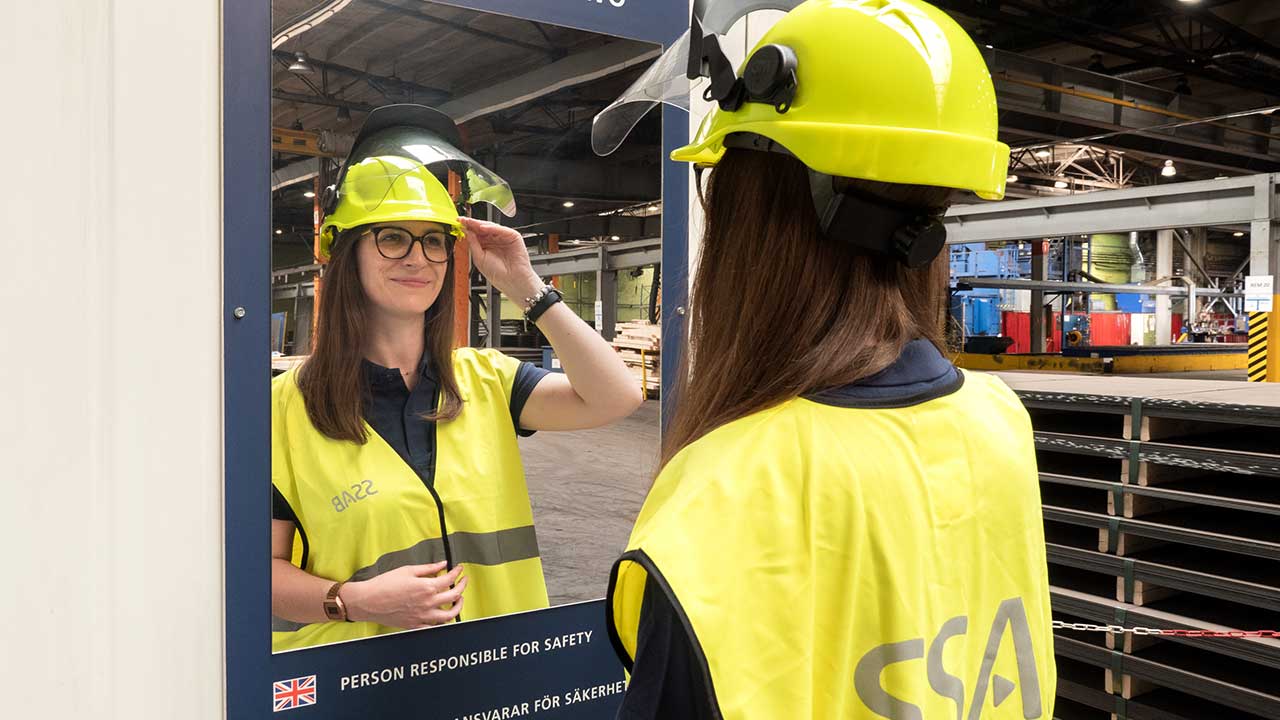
<point>110,360</point>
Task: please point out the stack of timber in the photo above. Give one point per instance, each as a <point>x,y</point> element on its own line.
<point>640,345</point>
<point>1161,500</point>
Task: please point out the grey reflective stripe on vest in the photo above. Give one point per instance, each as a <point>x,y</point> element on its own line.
<point>493,548</point>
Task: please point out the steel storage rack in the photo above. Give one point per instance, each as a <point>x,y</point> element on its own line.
<point>1162,523</point>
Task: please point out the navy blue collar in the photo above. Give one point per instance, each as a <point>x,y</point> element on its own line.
<point>920,374</point>
<point>379,376</point>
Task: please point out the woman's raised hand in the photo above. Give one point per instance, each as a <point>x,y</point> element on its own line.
<point>499,253</point>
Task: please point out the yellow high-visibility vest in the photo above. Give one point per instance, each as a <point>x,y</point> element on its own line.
<point>363,511</point>
<point>855,562</point>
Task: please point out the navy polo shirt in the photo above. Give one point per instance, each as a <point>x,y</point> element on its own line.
<point>395,413</point>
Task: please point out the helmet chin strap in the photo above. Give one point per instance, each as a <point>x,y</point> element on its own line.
<point>909,235</point>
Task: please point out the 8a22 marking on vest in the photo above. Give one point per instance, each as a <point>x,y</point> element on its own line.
<point>359,491</point>
<point>1011,615</point>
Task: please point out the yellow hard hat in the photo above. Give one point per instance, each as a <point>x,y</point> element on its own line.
<point>388,176</point>
<point>386,189</point>
<point>886,90</point>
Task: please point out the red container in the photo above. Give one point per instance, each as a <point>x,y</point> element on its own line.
<point>1017,325</point>
<point>1106,328</point>
<point>1110,328</point>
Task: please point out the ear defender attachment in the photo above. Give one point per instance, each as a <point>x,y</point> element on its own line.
<point>917,243</point>
<point>329,199</point>
<point>770,77</point>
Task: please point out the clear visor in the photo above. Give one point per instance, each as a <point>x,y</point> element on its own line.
<point>421,148</point>
<point>667,81</point>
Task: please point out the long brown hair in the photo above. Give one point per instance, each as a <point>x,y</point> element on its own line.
<point>332,382</point>
<point>777,311</point>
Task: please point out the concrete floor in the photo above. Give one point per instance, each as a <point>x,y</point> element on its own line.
<point>587,488</point>
<point>1236,375</point>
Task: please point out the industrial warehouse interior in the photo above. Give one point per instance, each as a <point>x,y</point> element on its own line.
<point>667,498</point>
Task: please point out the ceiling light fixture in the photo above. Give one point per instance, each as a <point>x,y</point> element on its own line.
<point>1168,170</point>
<point>344,114</point>
<point>1011,179</point>
<point>615,238</point>
<point>568,203</point>
<point>1237,234</point>
<point>1060,184</point>
<point>1044,154</point>
<point>301,64</point>
<point>308,22</point>
<point>308,194</point>
<point>279,231</point>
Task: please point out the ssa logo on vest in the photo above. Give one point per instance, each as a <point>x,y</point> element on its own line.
<point>1011,616</point>
<point>360,491</point>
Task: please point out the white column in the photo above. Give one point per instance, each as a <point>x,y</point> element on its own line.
<point>111,369</point>
<point>1164,303</point>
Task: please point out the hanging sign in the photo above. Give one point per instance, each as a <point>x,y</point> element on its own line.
<point>1259,291</point>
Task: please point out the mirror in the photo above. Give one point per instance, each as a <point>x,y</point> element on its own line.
<point>522,95</point>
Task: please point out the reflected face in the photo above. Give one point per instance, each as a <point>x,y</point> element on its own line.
<point>409,285</point>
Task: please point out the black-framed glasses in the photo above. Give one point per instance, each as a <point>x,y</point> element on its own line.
<point>395,243</point>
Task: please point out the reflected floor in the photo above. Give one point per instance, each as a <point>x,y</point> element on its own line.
<point>587,488</point>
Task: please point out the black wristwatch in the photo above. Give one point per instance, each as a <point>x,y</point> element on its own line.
<point>540,303</point>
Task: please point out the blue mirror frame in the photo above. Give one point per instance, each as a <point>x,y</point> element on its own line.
<point>251,668</point>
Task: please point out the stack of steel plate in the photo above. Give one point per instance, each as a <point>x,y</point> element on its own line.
<point>1162,512</point>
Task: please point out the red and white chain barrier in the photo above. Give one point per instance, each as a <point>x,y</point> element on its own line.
<point>1165,632</point>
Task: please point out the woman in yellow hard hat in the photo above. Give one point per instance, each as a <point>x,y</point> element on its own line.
<point>394,457</point>
<point>844,525</point>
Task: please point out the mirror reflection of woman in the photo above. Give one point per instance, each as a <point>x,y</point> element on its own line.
<point>399,497</point>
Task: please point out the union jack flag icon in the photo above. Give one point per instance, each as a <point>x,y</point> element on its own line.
<point>295,693</point>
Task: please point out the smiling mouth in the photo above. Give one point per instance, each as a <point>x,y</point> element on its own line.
<point>411,283</point>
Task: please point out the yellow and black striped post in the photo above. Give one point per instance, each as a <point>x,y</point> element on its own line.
<point>1258,347</point>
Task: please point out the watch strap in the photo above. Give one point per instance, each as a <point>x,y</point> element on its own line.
<point>334,608</point>
<point>543,302</point>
